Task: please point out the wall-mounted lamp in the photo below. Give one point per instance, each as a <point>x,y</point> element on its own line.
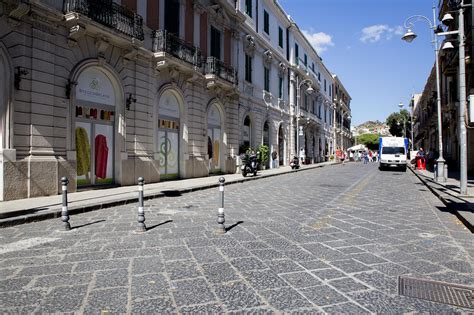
<point>129,101</point>
<point>19,72</point>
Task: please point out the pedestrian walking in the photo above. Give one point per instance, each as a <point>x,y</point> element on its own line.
<point>343,158</point>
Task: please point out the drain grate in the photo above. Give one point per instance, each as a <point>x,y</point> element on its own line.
<point>436,291</point>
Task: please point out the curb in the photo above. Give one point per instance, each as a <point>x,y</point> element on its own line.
<point>448,205</point>
<point>25,216</point>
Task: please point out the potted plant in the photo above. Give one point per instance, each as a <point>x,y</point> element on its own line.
<point>264,155</point>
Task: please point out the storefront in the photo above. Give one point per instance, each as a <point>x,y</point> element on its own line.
<point>214,136</point>
<point>94,121</point>
<point>168,139</point>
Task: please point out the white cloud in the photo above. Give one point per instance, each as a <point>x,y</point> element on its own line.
<point>320,41</point>
<point>374,33</point>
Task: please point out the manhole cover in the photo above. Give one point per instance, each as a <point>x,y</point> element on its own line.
<point>436,291</point>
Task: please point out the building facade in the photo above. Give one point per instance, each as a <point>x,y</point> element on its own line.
<point>425,110</point>
<point>104,92</point>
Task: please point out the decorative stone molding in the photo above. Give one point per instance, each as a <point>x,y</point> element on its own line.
<point>282,69</point>
<point>75,32</point>
<point>267,57</point>
<point>248,89</point>
<point>18,12</point>
<point>129,54</point>
<point>102,44</point>
<point>249,45</point>
<point>267,98</point>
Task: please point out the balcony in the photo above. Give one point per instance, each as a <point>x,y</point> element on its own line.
<point>169,49</point>
<point>217,72</point>
<point>108,14</point>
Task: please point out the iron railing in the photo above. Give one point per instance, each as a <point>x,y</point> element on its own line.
<point>172,44</point>
<point>110,14</point>
<point>216,67</point>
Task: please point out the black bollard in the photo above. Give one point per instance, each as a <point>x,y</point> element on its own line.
<point>64,211</point>
<point>141,212</point>
<point>220,212</point>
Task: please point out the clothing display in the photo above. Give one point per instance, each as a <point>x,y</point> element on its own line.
<point>101,155</point>
<point>83,151</point>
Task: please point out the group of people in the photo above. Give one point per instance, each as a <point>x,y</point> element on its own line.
<point>428,157</point>
<point>365,156</point>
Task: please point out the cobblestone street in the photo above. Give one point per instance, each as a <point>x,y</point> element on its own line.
<point>329,240</point>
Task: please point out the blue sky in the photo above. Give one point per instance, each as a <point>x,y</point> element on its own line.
<point>359,40</point>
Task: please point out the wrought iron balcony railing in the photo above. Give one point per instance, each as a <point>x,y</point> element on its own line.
<point>216,67</point>
<point>163,41</point>
<point>110,14</point>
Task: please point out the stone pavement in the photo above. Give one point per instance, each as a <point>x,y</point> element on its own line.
<point>34,209</point>
<point>328,240</point>
<point>448,193</point>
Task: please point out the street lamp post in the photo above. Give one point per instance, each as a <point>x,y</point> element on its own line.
<point>309,90</point>
<point>409,37</point>
<point>412,105</point>
<point>403,119</point>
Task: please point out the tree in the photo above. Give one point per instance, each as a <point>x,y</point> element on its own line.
<point>398,122</point>
<point>370,140</point>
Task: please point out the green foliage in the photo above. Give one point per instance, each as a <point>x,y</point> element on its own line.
<point>264,155</point>
<point>398,122</point>
<point>370,140</point>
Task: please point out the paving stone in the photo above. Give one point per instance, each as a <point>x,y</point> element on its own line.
<point>285,299</point>
<point>86,256</point>
<point>368,259</point>
<point>175,253</point>
<point>283,266</point>
<point>149,286</point>
<point>327,274</point>
<point>268,254</point>
<point>379,281</point>
<point>349,250</point>
<point>219,272</point>
<point>202,309</point>
<point>237,295</point>
<point>63,300</point>
<point>182,270</point>
<point>152,264</point>
<point>188,292</point>
<point>207,255</point>
<point>422,266</point>
<point>62,280</point>
<point>380,303</point>
<point>235,252</point>
<point>102,265</point>
<point>314,264</point>
<point>111,278</point>
<point>107,301</point>
<point>350,266</point>
<point>247,263</point>
<point>14,284</point>
<point>347,285</point>
<point>264,279</point>
<point>22,298</point>
<point>345,308</point>
<point>300,279</point>
<point>323,295</point>
<point>159,305</point>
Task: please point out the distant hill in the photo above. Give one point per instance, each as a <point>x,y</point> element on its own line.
<point>372,127</point>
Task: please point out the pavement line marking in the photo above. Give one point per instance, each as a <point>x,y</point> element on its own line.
<point>24,244</point>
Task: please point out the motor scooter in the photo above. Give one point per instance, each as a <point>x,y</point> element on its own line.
<point>249,164</point>
<point>295,163</point>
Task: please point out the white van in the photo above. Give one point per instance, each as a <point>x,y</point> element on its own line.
<point>393,152</point>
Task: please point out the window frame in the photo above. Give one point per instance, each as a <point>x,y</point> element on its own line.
<point>266,22</point>
<point>280,37</point>
<point>248,68</point>
<point>266,79</point>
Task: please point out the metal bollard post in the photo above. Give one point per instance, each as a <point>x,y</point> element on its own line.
<point>64,211</point>
<point>141,212</point>
<point>220,212</point>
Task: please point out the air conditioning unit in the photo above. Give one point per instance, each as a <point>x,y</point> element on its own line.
<point>470,109</point>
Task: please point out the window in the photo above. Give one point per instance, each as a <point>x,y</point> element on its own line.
<point>215,43</point>
<point>248,68</point>
<point>297,54</point>
<point>330,90</point>
<point>325,115</point>
<point>319,111</point>
<point>305,104</point>
<point>280,37</point>
<point>319,76</point>
<point>325,86</point>
<point>280,88</point>
<point>312,66</point>
<point>266,22</point>
<point>248,7</point>
<point>266,78</point>
<point>172,16</point>
<point>305,60</point>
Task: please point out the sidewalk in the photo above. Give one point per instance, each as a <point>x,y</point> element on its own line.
<point>42,208</point>
<point>448,193</point>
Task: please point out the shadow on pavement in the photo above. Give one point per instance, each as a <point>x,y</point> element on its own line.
<point>86,224</point>
<point>230,227</point>
<point>171,193</point>
<point>156,225</point>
